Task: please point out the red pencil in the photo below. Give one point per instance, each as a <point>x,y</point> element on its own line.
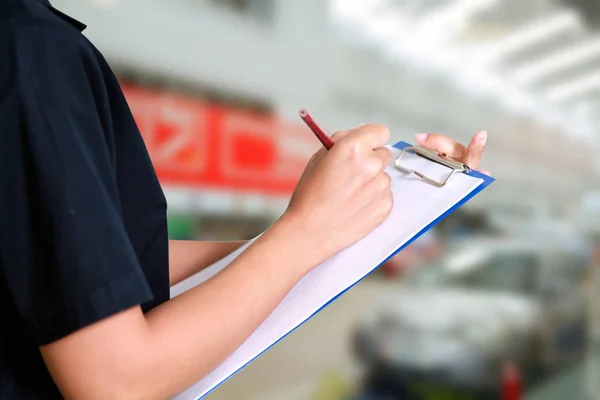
<point>319,133</point>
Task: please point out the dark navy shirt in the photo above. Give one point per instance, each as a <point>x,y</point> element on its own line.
<point>83,230</point>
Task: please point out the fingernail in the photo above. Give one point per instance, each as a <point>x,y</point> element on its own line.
<point>421,137</point>
<point>483,137</point>
<point>488,173</point>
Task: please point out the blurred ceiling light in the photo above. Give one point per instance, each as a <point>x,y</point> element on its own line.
<point>456,12</point>
<point>430,34</point>
<point>559,60</point>
<point>542,29</point>
<point>388,26</point>
<point>429,44</point>
<point>574,88</point>
<point>355,10</point>
<point>448,21</point>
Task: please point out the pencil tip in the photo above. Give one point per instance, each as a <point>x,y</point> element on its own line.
<point>303,112</point>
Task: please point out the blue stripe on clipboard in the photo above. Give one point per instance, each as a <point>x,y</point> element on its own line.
<point>487,180</point>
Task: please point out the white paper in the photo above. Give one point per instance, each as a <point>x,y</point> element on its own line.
<point>416,205</point>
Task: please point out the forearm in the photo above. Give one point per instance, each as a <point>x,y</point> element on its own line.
<point>196,331</point>
<point>160,354</point>
<point>188,257</point>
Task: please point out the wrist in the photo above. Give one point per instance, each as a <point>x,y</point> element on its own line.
<point>303,241</point>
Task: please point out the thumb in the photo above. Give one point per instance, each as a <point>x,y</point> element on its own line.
<point>475,149</point>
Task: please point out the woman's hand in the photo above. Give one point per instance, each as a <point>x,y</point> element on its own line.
<point>344,193</point>
<point>469,155</point>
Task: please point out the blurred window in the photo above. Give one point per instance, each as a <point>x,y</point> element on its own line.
<point>511,273</point>
<point>504,272</point>
<point>565,271</point>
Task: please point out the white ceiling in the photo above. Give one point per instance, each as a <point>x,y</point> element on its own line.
<point>539,55</point>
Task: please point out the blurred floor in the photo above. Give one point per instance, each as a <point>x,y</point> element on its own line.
<point>293,369</point>
<point>579,383</point>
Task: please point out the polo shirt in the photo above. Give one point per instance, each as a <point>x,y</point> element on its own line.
<point>83,228</point>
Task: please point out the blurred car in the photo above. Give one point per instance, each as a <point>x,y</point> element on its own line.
<point>484,302</point>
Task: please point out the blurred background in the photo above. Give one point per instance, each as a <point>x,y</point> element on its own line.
<point>505,290</point>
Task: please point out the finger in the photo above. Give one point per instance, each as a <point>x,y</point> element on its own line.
<point>385,155</point>
<point>442,144</point>
<point>318,155</point>
<point>371,136</point>
<point>475,149</point>
<point>378,161</point>
<point>488,173</point>
<point>337,136</point>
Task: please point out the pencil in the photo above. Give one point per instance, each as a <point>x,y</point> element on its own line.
<point>313,126</point>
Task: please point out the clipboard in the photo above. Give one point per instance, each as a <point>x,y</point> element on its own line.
<point>443,184</point>
<point>453,165</point>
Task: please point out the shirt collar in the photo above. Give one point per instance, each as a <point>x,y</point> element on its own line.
<point>77,24</point>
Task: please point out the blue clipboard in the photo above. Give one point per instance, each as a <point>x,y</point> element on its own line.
<point>455,167</point>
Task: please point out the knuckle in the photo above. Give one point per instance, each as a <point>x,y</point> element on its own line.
<point>383,202</point>
<point>337,135</point>
<point>377,165</point>
<point>383,182</point>
<point>388,181</point>
<point>388,203</point>
<point>347,146</point>
<point>384,208</point>
<point>372,167</point>
<point>385,155</point>
<point>383,130</point>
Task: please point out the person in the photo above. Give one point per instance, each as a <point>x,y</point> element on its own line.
<point>85,260</point>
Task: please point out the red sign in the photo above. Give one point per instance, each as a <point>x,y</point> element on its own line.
<point>193,143</point>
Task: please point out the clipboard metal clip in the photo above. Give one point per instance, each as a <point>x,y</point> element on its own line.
<point>431,155</point>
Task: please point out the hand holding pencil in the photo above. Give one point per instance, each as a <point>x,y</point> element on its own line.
<point>344,193</point>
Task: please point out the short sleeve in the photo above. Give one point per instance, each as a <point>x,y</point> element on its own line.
<point>65,254</point>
